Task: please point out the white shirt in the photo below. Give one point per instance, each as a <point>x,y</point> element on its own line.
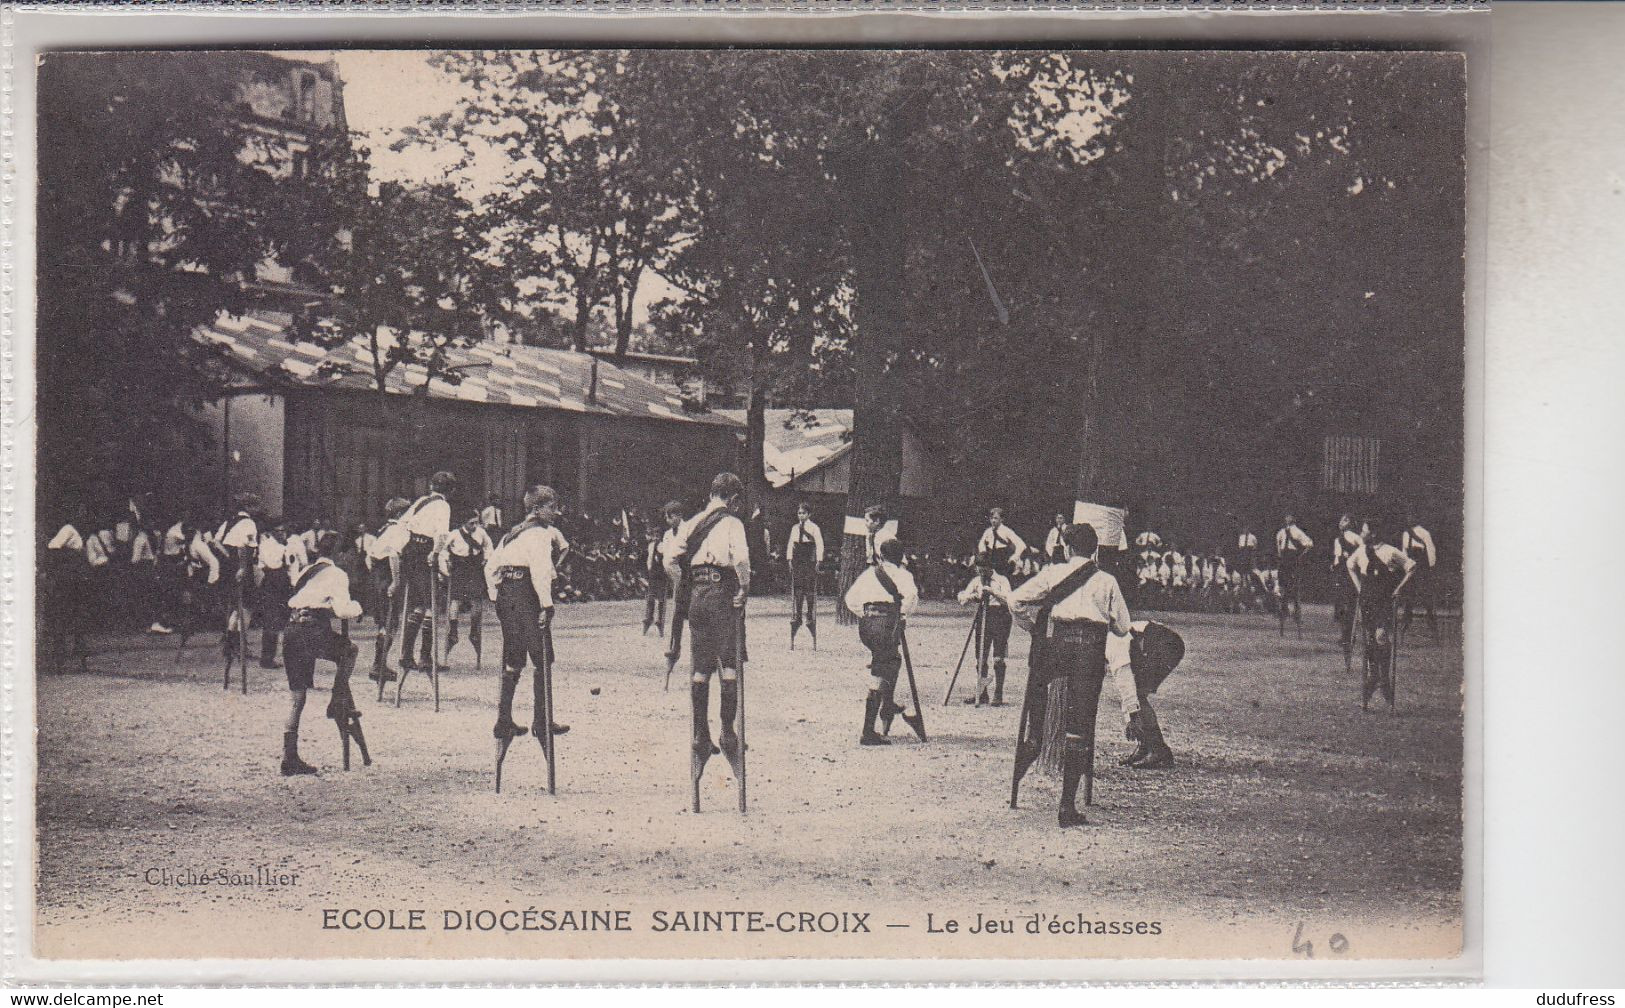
<point>298,557</point>
<point>991,537</point>
<point>68,538</point>
<point>200,557</point>
<point>1100,600</point>
<point>363,546</point>
<point>997,589</point>
<point>1246,541</point>
<point>1052,542</point>
<point>1148,539</point>
<point>1417,535</point>
<point>805,529</point>
<point>1344,546</point>
<point>458,544</point>
<point>491,515</point>
<point>389,542</point>
<point>867,588</point>
<point>141,548</point>
<point>1296,534</point>
<point>532,549</point>
<point>670,545</point>
<point>328,587</point>
<point>175,541</point>
<point>430,516</point>
<point>273,553</point>
<point>1386,555</point>
<point>99,548</point>
<point>724,546</point>
<point>239,533</point>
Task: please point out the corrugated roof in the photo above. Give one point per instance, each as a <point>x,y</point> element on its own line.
<point>795,450</point>
<point>504,374</point>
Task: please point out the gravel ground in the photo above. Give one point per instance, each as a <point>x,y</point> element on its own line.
<point>1291,816</point>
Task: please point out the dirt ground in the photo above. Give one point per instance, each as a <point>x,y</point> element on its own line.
<point>1292,818</point>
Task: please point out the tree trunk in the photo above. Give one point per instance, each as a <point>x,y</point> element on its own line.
<point>1133,322</point>
<point>753,462</point>
<point>625,305</point>
<point>879,315</point>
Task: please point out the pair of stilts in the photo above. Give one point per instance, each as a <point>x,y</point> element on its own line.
<point>341,708</point>
<point>395,624</point>
<point>1283,604</point>
<point>541,719</point>
<point>1077,750</point>
<point>885,707</point>
<point>812,612</point>
<point>236,645</point>
<point>1379,665</point>
<point>978,635</point>
<point>733,741</point>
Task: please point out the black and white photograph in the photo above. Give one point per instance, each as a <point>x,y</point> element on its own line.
<point>750,503</point>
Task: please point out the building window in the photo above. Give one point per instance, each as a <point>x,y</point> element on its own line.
<point>307,97</point>
<point>1350,464</point>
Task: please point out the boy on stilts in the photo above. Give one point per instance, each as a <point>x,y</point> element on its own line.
<point>519,579</point>
<point>384,550</point>
<point>321,595</point>
<point>427,521</point>
<point>658,590</point>
<point>882,598</point>
<point>711,567</point>
<point>464,567</point>
<point>806,555</point>
<point>1070,608</point>
<point>993,588</point>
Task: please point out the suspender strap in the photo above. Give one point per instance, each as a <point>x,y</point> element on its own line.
<point>310,572</point>
<point>696,538</point>
<point>1063,590</point>
<point>530,522</point>
<point>426,498</point>
<point>887,583</point>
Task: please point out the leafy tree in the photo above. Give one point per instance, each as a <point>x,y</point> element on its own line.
<point>588,197</point>
<point>156,210</point>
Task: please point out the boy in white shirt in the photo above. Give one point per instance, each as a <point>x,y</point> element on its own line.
<point>804,552</point>
<point>1380,574</point>
<point>321,595</point>
<point>384,554</point>
<point>519,574</point>
<point>710,563</point>
<point>882,598</point>
<point>995,588</point>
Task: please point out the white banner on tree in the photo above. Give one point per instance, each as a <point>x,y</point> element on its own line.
<point>1109,522</point>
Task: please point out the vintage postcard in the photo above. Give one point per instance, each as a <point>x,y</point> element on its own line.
<point>675,504</point>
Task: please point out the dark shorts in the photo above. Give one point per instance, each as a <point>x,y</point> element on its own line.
<point>415,572</point>
<point>1083,666</point>
<point>1377,608</point>
<point>1154,654</point>
<point>996,634</point>
<point>1288,573</point>
<point>275,590</point>
<point>518,610</point>
<point>712,624</point>
<point>878,632</point>
<point>467,582</point>
<point>309,641</point>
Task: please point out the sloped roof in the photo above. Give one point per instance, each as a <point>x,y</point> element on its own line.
<point>794,451</point>
<point>505,374</point>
